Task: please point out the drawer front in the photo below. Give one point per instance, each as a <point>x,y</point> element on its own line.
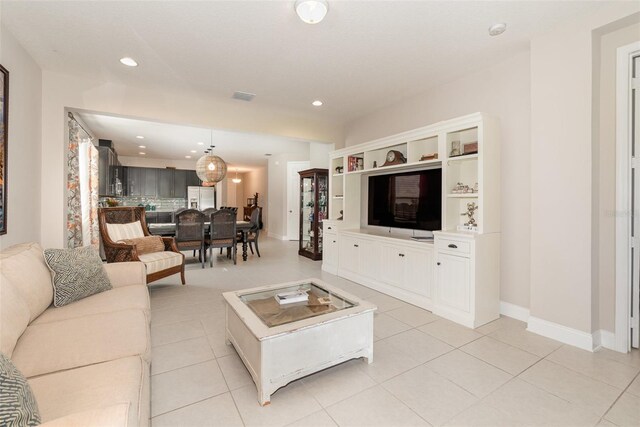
<point>457,246</point>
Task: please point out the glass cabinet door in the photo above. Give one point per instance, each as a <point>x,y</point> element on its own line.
<point>306,214</point>
<point>322,211</point>
<point>314,207</point>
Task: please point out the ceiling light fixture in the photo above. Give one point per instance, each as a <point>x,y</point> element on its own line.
<point>497,29</point>
<point>236,180</point>
<point>209,168</point>
<point>193,151</point>
<point>142,153</point>
<point>187,157</point>
<point>317,103</point>
<point>140,137</point>
<point>200,143</point>
<point>129,62</point>
<point>311,11</point>
<point>142,146</point>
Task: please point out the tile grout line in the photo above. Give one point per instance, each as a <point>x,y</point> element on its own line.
<point>620,395</point>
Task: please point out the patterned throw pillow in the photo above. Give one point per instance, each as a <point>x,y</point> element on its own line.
<point>146,245</point>
<point>18,406</point>
<point>77,274</point>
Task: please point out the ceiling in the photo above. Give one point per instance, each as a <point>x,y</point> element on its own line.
<point>243,151</point>
<point>363,56</point>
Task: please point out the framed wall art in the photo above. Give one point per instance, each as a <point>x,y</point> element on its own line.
<point>4,131</point>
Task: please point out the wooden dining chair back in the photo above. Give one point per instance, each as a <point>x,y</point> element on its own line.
<point>222,233</point>
<point>176,212</point>
<point>207,213</point>
<point>125,237</point>
<point>254,231</point>
<point>190,232</point>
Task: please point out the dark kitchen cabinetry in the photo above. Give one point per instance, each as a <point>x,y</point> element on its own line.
<point>150,182</point>
<point>180,184</point>
<point>192,179</point>
<point>134,181</point>
<point>109,172</point>
<point>165,183</point>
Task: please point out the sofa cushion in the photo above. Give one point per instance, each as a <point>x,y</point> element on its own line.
<point>116,299</point>
<point>18,406</point>
<point>159,261</point>
<point>146,245</point>
<point>24,266</point>
<point>111,416</point>
<point>129,230</point>
<point>14,316</point>
<point>126,273</point>
<point>55,346</point>
<point>77,274</point>
<point>97,386</point>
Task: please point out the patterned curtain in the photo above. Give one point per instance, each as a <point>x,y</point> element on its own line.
<point>82,188</point>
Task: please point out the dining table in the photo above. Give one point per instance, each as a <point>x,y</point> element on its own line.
<point>169,229</point>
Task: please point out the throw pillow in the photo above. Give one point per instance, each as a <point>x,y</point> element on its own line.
<point>18,406</point>
<point>146,245</point>
<point>77,274</point>
<point>131,230</point>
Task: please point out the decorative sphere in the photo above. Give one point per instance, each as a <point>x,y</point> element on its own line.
<point>211,169</point>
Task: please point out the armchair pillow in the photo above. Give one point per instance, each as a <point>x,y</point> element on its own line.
<point>18,406</point>
<point>146,245</point>
<point>77,274</point>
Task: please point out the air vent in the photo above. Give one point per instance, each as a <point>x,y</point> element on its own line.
<point>244,96</point>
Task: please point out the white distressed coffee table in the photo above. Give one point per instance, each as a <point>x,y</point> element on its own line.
<point>279,344</point>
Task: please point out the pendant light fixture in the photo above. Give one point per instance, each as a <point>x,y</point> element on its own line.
<point>209,168</point>
<point>236,180</point>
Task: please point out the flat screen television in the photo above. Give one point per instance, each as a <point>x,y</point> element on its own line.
<point>406,200</point>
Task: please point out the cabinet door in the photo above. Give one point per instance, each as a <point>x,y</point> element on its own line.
<point>418,271</point>
<point>151,217</point>
<point>165,182</point>
<point>192,179</point>
<point>150,188</point>
<point>134,181</point>
<point>163,217</point>
<point>370,258</point>
<point>180,184</point>
<point>392,269</point>
<point>349,254</point>
<point>103,171</point>
<point>453,281</point>
<point>330,254</point>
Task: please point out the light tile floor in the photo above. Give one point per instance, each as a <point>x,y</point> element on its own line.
<point>426,370</point>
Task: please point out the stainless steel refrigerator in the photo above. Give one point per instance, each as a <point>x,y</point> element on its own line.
<point>201,197</point>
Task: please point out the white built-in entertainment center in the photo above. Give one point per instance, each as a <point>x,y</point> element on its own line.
<point>456,274</point>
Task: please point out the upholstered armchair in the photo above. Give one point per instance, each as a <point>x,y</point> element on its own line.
<point>124,231</point>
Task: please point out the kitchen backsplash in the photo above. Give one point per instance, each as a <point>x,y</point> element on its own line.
<point>161,205</point>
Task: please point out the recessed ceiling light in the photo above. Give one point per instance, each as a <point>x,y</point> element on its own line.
<point>200,143</point>
<point>193,151</point>
<point>187,157</point>
<point>129,62</point>
<point>311,11</point>
<point>497,29</point>
<point>140,137</point>
<point>317,103</point>
<point>268,154</point>
<point>142,146</point>
<point>142,153</point>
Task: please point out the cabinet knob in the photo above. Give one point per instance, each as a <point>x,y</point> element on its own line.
<point>355,246</point>
<point>328,228</point>
<point>437,263</point>
<point>334,241</point>
<point>400,254</point>
<point>452,246</point>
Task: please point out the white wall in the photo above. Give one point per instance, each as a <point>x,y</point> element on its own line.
<point>504,92</point>
<point>562,282</point>
<point>156,103</point>
<point>25,124</point>
<point>319,155</point>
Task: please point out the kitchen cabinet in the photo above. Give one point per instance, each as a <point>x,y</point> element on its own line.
<point>164,216</point>
<point>192,179</point>
<point>180,184</point>
<point>165,182</point>
<point>134,181</point>
<point>109,170</point>
<point>150,188</point>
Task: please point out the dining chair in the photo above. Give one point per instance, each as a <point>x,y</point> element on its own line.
<point>254,231</point>
<point>222,233</point>
<point>190,232</point>
<point>207,212</point>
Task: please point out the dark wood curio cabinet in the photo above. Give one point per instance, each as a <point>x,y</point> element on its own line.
<point>314,208</point>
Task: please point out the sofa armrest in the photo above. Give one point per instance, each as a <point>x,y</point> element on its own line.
<point>126,273</point>
<point>110,416</point>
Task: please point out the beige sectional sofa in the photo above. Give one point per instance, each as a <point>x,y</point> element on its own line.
<point>87,362</point>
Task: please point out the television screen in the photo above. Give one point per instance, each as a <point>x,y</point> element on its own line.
<point>406,200</point>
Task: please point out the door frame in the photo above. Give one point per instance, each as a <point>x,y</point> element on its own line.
<point>299,165</point>
<point>625,55</point>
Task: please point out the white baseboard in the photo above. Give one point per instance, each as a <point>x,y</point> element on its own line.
<point>277,236</point>
<point>514,311</point>
<point>606,339</point>
<point>564,334</point>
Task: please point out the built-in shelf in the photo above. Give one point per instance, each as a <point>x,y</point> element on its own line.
<point>462,195</point>
<point>338,197</point>
<point>463,157</point>
<point>400,166</point>
<point>338,174</point>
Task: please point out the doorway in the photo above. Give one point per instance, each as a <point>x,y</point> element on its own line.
<point>293,198</point>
